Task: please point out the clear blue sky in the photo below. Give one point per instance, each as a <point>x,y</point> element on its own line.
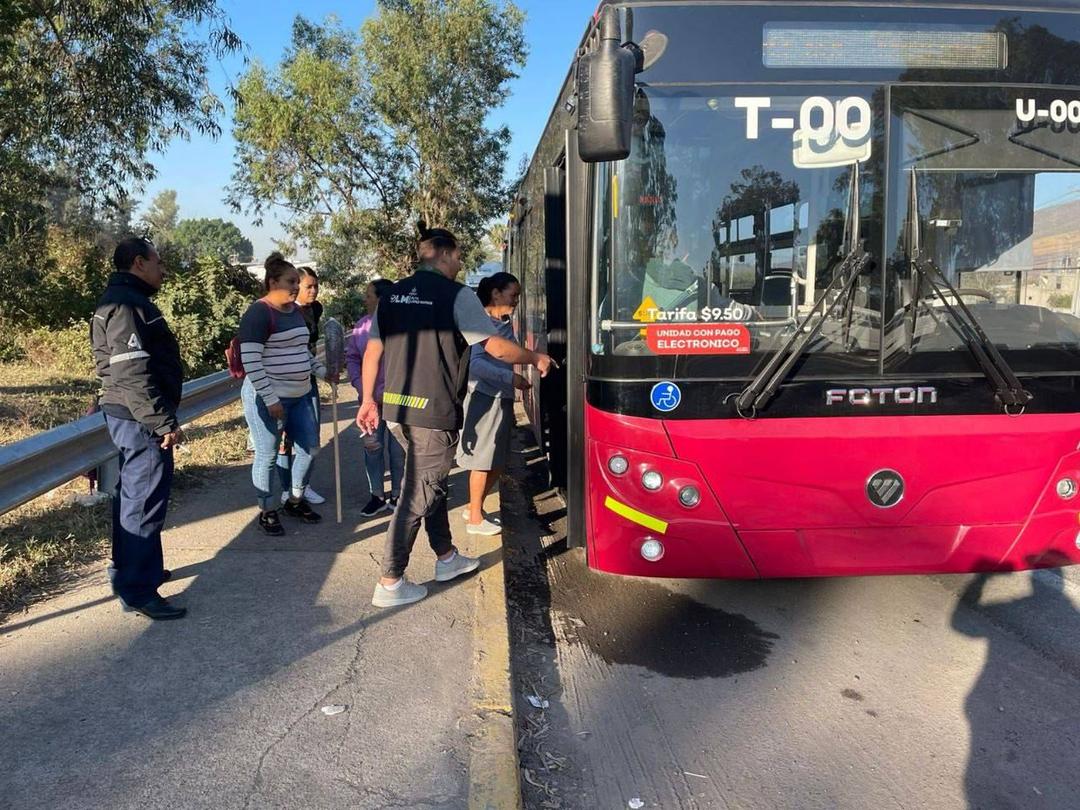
<point>199,170</point>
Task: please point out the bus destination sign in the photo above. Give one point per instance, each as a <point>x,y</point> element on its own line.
<point>698,338</point>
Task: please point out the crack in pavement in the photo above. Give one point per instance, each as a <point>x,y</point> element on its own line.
<point>349,674</point>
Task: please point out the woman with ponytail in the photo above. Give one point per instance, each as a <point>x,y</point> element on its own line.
<point>489,405</point>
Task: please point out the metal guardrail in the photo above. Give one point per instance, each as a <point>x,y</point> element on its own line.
<point>42,462</point>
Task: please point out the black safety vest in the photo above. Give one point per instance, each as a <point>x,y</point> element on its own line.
<point>427,359</point>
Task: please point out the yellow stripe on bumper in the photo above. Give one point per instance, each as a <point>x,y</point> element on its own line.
<point>632,514</point>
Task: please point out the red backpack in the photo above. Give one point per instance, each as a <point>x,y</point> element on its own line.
<point>232,352</point>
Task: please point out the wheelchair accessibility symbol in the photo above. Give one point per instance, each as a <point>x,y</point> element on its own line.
<point>665,396</point>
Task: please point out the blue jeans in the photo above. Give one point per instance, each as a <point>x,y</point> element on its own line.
<point>285,450</point>
<point>375,463</point>
<point>146,473</point>
<point>299,423</point>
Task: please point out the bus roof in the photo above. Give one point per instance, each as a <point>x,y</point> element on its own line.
<point>1016,5</point>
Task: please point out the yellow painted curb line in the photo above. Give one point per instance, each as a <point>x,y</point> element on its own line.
<point>493,761</point>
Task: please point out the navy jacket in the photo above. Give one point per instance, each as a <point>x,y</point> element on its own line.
<point>137,356</point>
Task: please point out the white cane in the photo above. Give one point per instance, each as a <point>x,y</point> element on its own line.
<point>335,356</point>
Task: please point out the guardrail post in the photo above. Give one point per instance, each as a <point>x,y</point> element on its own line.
<point>108,477</point>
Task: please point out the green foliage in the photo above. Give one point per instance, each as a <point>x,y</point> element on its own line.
<point>347,306</point>
<point>59,282</point>
<point>160,219</point>
<point>87,91</point>
<point>308,142</point>
<point>197,238</point>
<point>203,303</point>
<point>1060,301</point>
<point>65,351</point>
<point>357,137</point>
<point>95,86</point>
<point>438,68</point>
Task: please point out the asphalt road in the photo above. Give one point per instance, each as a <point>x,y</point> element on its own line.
<point>883,692</point>
<point>224,709</point>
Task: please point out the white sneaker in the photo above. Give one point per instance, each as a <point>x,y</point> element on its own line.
<point>465,516</point>
<point>311,496</point>
<point>405,594</point>
<point>454,567</point>
<point>485,526</point>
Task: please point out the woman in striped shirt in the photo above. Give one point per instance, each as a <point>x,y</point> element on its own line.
<point>278,365</point>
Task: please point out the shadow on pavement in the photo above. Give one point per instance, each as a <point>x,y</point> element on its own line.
<point>122,708</point>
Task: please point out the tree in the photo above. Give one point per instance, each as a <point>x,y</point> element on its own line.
<point>356,138</point>
<point>309,144</point>
<point>87,91</point>
<point>160,219</point>
<point>94,87</point>
<point>198,238</point>
<point>437,68</point>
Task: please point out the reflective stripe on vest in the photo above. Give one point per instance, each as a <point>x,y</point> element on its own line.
<point>405,401</point>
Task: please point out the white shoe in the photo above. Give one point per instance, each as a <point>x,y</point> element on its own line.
<point>485,526</point>
<point>405,594</point>
<point>311,496</point>
<point>465,516</point>
<point>454,567</point>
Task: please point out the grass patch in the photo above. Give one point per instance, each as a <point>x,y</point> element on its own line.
<point>34,398</point>
<point>43,542</point>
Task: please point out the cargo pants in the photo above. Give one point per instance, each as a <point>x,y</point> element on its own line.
<point>429,455</point>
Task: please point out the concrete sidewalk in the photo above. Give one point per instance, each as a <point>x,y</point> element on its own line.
<point>100,708</point>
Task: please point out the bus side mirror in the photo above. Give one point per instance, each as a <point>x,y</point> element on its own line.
<point>605,89</point>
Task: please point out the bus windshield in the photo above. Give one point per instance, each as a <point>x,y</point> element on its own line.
<point>736,210</point>
<point>992,182</point>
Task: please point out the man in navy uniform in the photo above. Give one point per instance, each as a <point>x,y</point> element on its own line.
<point>138,361</point>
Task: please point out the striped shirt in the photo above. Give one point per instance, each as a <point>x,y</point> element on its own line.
<point>274,351</point>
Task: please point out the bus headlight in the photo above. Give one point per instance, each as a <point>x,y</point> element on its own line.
<point>652,549</point>
<point>618,464</point>
<point>652,480</point>
<point>1066,488</point>
<point>689,496</point>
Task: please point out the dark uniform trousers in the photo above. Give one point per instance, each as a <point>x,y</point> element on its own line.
<point>429,455</point>
<point>146,473</point>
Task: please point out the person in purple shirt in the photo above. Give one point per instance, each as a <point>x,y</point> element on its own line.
<point>380,444</point>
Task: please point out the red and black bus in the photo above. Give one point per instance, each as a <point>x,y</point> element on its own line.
<point>811,270</point>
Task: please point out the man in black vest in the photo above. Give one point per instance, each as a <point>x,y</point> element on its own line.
<point>424,326</point>
<point>138,361</point>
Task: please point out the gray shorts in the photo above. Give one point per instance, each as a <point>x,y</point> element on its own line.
<point>485,439</point>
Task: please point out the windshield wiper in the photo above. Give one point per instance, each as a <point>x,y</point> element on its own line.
<point>767,381</point>
<point>1007,387</point>
<point>856,260</point>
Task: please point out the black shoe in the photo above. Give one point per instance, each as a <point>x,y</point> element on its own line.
<point>159,609</point>
<point>374,506</point>
<point>391,503</point>
<point>301,509</point>
<point>270,524</point>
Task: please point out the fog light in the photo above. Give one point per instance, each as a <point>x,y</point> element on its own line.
<point>1078,539</point>
<point>618,464</point>
<point>652,480</point>
<point>1066,488</point>
<point>689,497</point>
<point>652,549</point>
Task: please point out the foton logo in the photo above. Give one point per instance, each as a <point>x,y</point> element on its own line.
<point>924,395</point>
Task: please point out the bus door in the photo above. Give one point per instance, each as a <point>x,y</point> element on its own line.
<point>553,404</point>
